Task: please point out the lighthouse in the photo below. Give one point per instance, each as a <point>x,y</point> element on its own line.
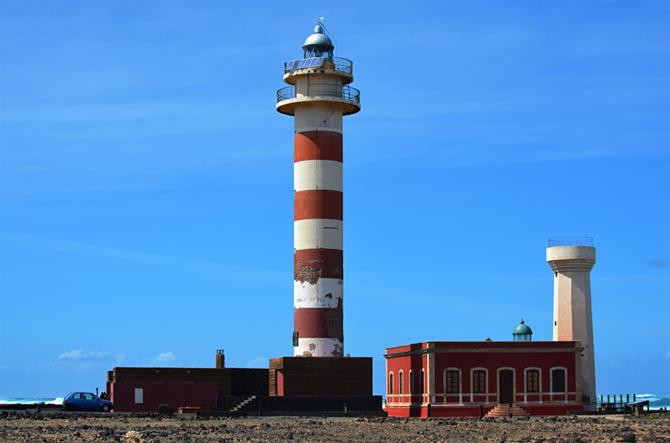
<point>318,97</point>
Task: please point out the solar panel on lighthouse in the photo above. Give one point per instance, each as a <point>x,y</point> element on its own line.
<point>305,63</point>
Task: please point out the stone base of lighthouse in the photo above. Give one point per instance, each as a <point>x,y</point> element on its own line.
<point>323,386</point>
<point>323,376</point>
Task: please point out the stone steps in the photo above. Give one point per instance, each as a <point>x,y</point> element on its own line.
<point>243,403</point>
<point>503,410</point>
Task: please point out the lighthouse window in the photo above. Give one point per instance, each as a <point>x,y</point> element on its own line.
<point>452,382</point>
<point>479,382</point>
<point>532,380</point>
<point>558,380</point>
<point>412,388</point>
<point>401,380</point>
<point>421,381</point>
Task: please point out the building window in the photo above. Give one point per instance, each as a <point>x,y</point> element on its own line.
<point>452,382</point>
<point>401,383</point>
<point>558,380</point>
<point>411,382</point>
<point>391,383</point>
<point>532,380</point>
<point>421,381</point>
<point>479,381</point>
<point>139,396</point>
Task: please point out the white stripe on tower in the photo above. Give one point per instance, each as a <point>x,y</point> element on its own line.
<point>317,174</point>
<point>315,347</point>
<point>317,233</point>
<point>326,293</point>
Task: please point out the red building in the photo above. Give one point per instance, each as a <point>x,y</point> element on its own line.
<point>207,389</point>
<point>439,379</point>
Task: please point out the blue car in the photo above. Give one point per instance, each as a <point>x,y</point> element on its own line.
<point>85,401</point>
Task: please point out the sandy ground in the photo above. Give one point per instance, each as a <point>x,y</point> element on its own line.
<point>61,427</point>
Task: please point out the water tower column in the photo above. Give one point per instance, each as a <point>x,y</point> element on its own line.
<point>572,266</point>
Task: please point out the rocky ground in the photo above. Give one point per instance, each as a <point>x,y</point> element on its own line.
<point>72,427</point>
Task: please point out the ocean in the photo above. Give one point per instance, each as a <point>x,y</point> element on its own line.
<point>31,400</point>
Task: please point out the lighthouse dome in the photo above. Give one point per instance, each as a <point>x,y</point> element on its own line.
<point>522,332</point>
<point>318,39</point>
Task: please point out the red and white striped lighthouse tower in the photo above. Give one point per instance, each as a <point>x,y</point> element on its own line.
<point>318,98</point>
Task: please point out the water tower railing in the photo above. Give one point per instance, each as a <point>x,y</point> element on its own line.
<point>570,241</point>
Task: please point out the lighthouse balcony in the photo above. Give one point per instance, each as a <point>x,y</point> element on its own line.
<point>339,66</point>
<point>347,97</point>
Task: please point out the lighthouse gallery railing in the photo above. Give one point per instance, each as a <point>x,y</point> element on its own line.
<point>347,93</point>
<point>341,64</point>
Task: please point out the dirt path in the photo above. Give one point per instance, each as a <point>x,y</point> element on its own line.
<point>25,427</point>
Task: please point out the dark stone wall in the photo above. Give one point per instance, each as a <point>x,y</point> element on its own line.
<point>322,376</point>
<point>248,381</point>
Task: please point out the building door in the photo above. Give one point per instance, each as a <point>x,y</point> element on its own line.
<point>506,386</point>
<point>279,389</point>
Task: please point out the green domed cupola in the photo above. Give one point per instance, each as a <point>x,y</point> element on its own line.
<point>522,332</point>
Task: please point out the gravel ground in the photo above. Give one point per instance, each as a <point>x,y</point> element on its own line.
<point>62,427</point>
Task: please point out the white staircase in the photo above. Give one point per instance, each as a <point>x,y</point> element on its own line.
<point>243,403</point>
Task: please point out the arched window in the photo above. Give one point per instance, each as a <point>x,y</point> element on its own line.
<point>452,381</point>
<point>479,381</point>
<point>411,382</point>
<point>558,380</point>
<point>422,376</point>
<point>391,383</point>
<point>401,383</point>
<point>533,380</point>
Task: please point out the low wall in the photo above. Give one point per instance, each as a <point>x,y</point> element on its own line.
<point>306,405</point>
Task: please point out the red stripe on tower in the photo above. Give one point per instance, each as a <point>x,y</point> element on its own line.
<point>320,322</point>
<point>308,264</point>
<point>318,145</point>
<point>318,204</point>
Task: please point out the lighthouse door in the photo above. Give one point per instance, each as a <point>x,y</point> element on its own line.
<point>506,386</point>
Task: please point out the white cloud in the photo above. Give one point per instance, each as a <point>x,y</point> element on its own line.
<point>80,354</point>
<point>164,358</point>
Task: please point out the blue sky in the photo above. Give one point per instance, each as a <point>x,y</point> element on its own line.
<point>146,180</point>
